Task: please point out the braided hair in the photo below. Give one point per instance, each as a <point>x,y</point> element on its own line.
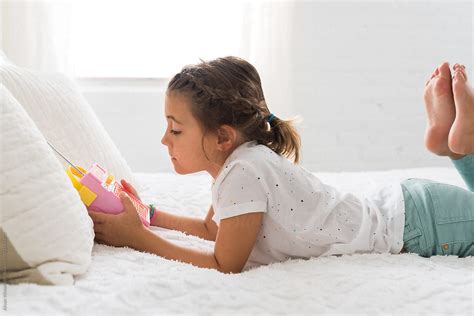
<point>228,91</point>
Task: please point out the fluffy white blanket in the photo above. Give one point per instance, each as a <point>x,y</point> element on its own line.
<point>122,280</point>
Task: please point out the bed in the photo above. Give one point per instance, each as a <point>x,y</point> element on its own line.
<point>122,280</point>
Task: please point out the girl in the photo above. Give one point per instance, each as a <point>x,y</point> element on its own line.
<point>267,209</point>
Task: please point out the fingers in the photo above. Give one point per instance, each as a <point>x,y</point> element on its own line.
<point>98,229</point>
<point>126,201</point>
<point>99,233</point>
<point>99,241</point>
<point>124,195</point>
<point>97,217</point>
<point>129,188</point>
<point>124,184</point>
<point>99,222</point>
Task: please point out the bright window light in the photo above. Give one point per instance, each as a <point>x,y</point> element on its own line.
<point>152,39</point>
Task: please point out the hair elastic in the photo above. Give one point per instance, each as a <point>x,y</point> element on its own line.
<point>270,118</point>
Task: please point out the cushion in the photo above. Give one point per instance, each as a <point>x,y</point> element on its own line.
<point>64,117</point>
<point>45,231</point>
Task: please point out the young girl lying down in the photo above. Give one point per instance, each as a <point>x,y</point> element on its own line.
<point>266,208</point>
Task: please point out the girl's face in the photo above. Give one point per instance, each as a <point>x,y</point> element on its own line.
<point>184,138</point>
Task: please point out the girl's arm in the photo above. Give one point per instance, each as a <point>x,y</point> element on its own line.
<point>235,239</point>
<point>205,229</point>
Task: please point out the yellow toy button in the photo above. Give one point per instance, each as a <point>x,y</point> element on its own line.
<point>87,196</point>
<point>109,179</point>
<point>75,176</point>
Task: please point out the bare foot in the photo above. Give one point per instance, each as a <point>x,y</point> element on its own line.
<point>461,135</point>
<point>440,111</point>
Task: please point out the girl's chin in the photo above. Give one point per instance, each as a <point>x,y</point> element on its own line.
<point>179,170</point>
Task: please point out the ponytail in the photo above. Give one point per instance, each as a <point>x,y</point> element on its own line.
<point>284,139</point>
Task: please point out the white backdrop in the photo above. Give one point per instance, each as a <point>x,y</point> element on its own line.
<point>353,70</point>
<point>355,74</point>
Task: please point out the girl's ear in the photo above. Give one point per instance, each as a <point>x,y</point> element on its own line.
<point>226,137</point>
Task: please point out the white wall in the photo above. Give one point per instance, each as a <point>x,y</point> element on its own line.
<point>358,69</point>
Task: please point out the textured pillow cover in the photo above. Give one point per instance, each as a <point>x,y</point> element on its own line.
<point>64,117</point>
<point>46,233</point>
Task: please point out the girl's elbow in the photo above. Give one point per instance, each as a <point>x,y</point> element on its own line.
<point>230,271</point>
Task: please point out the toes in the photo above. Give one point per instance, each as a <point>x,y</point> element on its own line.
<point>459,72</point>
<point>436,72</point>
<point>460,75</point>
<point>457,66</point>
<point>444,70</point>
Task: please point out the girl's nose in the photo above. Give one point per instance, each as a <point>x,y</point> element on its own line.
<point>163,139</point>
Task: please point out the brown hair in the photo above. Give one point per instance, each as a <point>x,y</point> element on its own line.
<point>228,91</point>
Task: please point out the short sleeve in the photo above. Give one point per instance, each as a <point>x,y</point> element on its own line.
<point>239,191</point>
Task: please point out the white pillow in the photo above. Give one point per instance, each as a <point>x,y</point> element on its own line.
<point>45,226</point>
<point>3,58</point>
<point>66,120</point>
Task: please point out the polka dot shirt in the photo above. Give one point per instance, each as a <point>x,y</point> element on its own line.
<point>304,217</point>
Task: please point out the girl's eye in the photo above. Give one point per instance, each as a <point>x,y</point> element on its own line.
<point>172,131</point>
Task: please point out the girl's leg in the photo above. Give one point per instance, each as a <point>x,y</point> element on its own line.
<point>461,134</point>
<point>465,167</point>
<point>439,218</point>
<point>449,105</point>
<point>440,111</point>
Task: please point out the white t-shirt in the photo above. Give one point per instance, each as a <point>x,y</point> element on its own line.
<point>304,217</point>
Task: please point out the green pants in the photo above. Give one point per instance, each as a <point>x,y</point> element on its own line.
<point>439,218</point>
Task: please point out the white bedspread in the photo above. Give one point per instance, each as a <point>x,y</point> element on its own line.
<point>122,280</point>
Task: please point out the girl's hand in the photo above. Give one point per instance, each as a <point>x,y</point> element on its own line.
<point>129,188</point>
<point>117,230</point>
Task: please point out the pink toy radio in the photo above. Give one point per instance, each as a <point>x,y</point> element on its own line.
<point>99,190</point>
